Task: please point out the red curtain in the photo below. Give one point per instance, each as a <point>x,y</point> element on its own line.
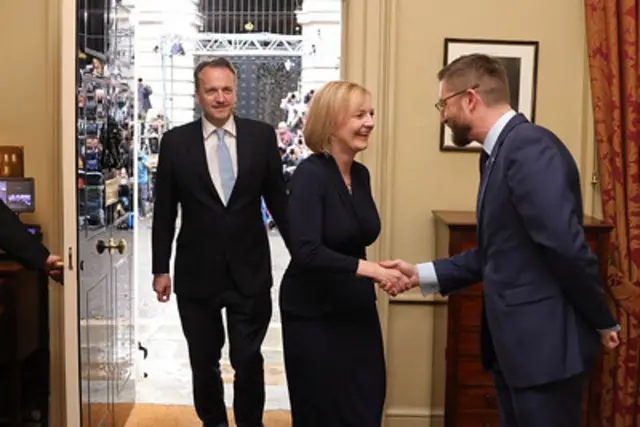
<point>613,49</point>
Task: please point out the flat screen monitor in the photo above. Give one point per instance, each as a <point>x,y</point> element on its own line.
<point>18,194</point>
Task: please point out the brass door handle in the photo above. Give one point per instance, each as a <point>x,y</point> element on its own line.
<point>111,245</point>
<point>121,247</point>
<point>59,266</point>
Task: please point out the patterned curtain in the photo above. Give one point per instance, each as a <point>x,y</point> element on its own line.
<point>612,37</point>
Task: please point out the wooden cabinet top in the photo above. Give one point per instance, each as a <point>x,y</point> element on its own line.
<point>8,269</point>
<point>467,219</point>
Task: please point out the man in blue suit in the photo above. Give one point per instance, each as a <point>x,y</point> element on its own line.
<point>545,311</point>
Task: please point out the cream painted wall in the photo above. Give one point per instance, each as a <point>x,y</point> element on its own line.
<point>26,110</point>
<point>396,48</point>
<point>29,117</point>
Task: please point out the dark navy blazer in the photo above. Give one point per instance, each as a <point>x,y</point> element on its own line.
<point>543,296</point>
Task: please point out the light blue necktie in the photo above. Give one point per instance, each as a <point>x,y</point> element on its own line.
<point>225,166</point>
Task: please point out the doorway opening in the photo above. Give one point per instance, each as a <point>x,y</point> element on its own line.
<point>283,51</point>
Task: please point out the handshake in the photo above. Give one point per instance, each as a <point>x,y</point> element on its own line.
<point>396,276</point>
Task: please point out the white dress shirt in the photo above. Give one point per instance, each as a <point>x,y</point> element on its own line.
<point>210,147</point>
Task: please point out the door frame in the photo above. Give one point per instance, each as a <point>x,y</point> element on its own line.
<point>67,109</point>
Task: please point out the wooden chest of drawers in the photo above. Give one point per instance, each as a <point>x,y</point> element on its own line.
<point>470,399</point>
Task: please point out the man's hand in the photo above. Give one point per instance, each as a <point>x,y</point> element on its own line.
<point>610,339</point>
<point>53,268</point>
<point>162,287</point>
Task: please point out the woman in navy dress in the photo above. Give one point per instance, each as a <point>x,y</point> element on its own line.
<point>333,348</point>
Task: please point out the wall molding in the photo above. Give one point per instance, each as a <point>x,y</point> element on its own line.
<point>56,297</point>
<point>418,300</point>
<point>413,412</point>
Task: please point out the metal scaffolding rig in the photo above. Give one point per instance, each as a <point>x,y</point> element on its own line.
<point>216,44</point>
<point>251,44</point>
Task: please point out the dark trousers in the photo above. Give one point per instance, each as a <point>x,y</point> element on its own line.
<point>247,323</point>
<point>557,404</point>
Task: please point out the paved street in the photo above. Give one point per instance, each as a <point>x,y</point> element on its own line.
<point>168,378</point>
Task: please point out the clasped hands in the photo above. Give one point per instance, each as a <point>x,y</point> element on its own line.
<point>397,276</point>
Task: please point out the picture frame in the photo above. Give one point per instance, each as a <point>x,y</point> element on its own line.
<point>520,58</point>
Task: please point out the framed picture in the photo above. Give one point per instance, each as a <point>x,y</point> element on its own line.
<point>520,59</point>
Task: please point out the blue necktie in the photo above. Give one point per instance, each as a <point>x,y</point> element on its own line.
<point>225,166</point>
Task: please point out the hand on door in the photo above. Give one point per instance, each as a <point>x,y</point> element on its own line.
<point>53,267</point>
<point>162,287</point>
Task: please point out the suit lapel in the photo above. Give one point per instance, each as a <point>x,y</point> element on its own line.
<point>198,154</point>
<point>515,121</point>
<point>243,154</point>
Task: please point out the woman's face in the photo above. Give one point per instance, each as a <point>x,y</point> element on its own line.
<point>356,126</point>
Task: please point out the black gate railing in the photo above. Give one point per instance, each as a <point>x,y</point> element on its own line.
<point>243,16</point>
<point>263,81</point>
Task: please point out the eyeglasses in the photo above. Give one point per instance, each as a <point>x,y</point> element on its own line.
<point>443,102</point>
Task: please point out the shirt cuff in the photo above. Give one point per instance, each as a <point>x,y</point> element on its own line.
<point>427,278</point>
<point>614,329</point>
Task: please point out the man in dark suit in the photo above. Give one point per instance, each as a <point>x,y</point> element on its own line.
<point>216,169</point>
<point>545,310</point>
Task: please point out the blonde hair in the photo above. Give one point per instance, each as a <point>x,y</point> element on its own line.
<point>327,111</point>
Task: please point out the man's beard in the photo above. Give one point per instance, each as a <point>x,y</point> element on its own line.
<point>460,134</point>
